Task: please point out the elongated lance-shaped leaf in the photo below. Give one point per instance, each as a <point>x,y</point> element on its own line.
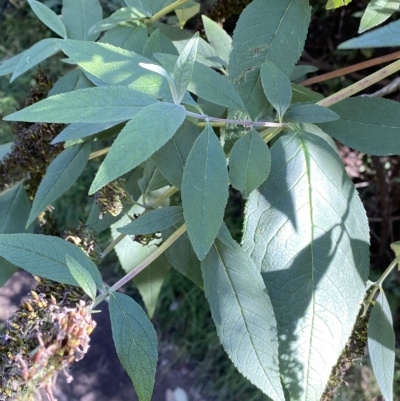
<point>279,37</point>
<point>243,314</point>
<point>156,220</point>
<point>207,83</point>
<point>381,345</point>
<point>129,37</point>
<point>92,105</point>
<point>370,125</point>
<point>79,16</point>
<point>218,38</point>
<point>310,113</point>
<point>8,66</point>
<point>71,81</point>
<point>183,69</point>
<point>48,17</point>
<point>149,282</point>
<point>62,173</point>
<point>82,130</point>
<point>307,231</point>
<point>152,179</point>
<point>150,129</point>
<point>44,256</point>
<point>182,257</point>
<point>102,60</point>
<point>303,94</point>
<point>204,191</point>
<point>142,5</point>
<point>14,211</point>
<point>82,276</point>
<point>122,15</point>
<point>277,88</point>
<point>386,36</point>
<point>35,55</point>
<point>158,42</point>
<point>377,11</point>
<point>249,163</point>
<point>135,342</point>
<point>171,158</point>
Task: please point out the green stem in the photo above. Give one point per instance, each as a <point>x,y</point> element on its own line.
<point>167,194</point>
<point>165,11</point>
<point>141,266</point>
<point>361,85</point>
<point>378,285</point>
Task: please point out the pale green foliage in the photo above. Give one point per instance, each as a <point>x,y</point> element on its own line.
<point>381,340</point>
<point>285,301</point>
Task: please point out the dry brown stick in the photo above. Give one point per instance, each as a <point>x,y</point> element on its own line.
<point>351,69</point>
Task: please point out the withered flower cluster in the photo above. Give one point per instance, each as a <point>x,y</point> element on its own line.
<point>31,152</point>
<point>48,332</point>
<point>224,9</point>
<point>109,198</point>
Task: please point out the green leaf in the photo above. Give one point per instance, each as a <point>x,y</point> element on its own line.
<point>186,12</point>
<point>82,130</point>
<point>204,191</point>
<point>142,5</point>
<point>14,211</point>
<point>386,36</point>
<point>182,257</point>
<point>331,4</point>
<point>310,113</point>
<point>62,173</point>
<point>171,158</point>
<point>377,11</point>
<point>218,38</point>
<point>301,94</point>
<point>92,105</point>
<point>302,70</point>
<point>150,129</point>
<point>135,342</point>
<point>307,230</point>
<point>158,43</point>
<point>48,17</point>
<point>243,315</point>
<point>381,345</point>
<point>150,281</point>
<point>124,14</point>
<point>206,83</point>
<point>44,256</point>
<point>154,221</point>
<point>184,65</point>
<point>8,66</point>
<point>129,37</point>
<point>69,82</point>
<point>102,60</point>
<point>370,125</point>
<point>152,178</point>
<point>79,16</point>
<point>82,276</point>
<point>5,149</point>
<point>279,37</point>
<point>35,55</point>
<point>277,88</point>
<point>249,163</point>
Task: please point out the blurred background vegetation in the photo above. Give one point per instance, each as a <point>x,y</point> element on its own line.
<point>183,318</point>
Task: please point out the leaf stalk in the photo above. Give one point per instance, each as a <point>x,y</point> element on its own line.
<point>165,11</point>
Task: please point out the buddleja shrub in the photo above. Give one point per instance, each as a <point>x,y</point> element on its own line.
<point>194,116</point>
